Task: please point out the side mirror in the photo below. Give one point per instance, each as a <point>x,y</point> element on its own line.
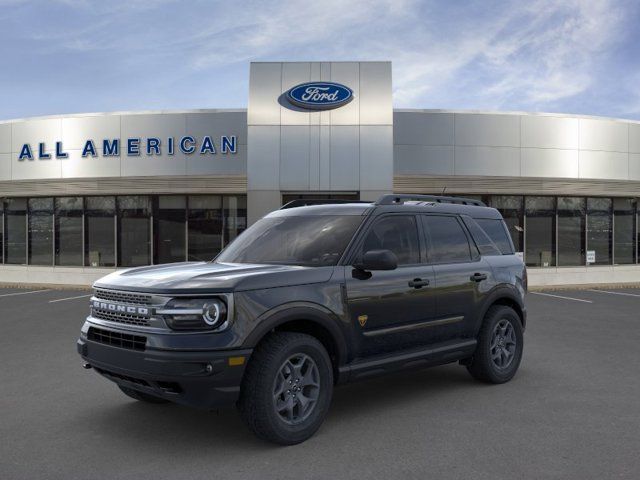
<point>377,260</point>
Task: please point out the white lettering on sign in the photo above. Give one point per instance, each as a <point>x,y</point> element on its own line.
<point>316,94</point>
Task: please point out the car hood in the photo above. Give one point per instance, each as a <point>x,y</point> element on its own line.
<point>204,277</point>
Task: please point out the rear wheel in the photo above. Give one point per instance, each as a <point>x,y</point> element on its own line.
<point>287,388</point>
<point>141,396</point>
<point>500,345</point>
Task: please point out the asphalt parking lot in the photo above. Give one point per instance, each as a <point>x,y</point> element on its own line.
<point>573,410</point>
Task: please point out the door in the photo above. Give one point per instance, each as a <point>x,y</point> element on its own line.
<point>388,308</point>
<point>461,276</point>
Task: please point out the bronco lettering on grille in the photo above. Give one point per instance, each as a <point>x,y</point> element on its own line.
<point>118,308</point>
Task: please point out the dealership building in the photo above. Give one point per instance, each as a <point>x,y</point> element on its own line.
<point>84,194</point>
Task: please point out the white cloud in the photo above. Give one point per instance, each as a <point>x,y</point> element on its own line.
<point>483,54</point>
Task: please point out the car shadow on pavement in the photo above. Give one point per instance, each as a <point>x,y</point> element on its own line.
<point>138,423</point>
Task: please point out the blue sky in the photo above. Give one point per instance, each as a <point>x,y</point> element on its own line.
<point>572,56</point>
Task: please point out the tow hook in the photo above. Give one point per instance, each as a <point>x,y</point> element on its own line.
<point>86,366</point>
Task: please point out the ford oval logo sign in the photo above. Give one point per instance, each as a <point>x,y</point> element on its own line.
<point>319,95</point>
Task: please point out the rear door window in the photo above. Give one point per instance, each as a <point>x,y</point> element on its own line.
<point>484,243</point>
<point>447,241</point>
<point>497,233</point>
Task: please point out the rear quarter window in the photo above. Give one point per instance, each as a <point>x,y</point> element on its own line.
<point>498,234</point>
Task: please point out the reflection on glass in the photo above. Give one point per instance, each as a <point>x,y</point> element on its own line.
<point>235,217</point>
<point>100,231</point>
<point>134,236</point>
<point>205,227</point>
<point>540,231</point>
<point>599,229</point>
<point>15,230</point>
<point>624,230</point>
<point>511,208</point>
<point>571,224</point>
<point>169,229</point>
<point>40,231</point>
<point>68,231</point>
<point>313,241</point>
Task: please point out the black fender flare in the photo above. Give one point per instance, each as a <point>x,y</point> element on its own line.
<point>311,312</point>
<point>497,294</point>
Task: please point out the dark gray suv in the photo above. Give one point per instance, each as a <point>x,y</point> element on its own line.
<point>310,297</point>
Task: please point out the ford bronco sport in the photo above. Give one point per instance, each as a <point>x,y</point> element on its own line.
<point>310,297</point>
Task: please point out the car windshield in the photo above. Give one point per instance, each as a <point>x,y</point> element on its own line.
<point>314,240</point>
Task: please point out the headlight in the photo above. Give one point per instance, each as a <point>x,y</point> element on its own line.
<point>194,313</point>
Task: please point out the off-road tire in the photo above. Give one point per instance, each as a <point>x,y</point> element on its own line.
<point>257,404</point>
<point>482,366</point>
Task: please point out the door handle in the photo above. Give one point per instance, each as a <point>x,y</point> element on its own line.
<point>478,277</point>
<point>418,283</point>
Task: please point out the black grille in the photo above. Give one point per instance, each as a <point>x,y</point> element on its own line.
<point>128,318</point>
<point>122,297</point>
<point>117,339</point>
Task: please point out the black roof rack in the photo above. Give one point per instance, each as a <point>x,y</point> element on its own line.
<point>394,199</point>
<point>304,202</point>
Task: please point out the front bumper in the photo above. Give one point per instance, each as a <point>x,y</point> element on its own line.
<point>202,379</point>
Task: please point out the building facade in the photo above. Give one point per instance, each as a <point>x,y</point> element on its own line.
<point>84,194</point>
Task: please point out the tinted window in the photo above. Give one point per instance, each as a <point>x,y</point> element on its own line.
<point>599,229</point>
<point>15,230</point>
<point>169,229</point>
<point>447,241</point>
<point>313,241</point>
<point>624,230</point>
<point>134,235</point>
<point>484,243</point>
<point>100,231</point>
<point>497,233</point>
<point>40,231</point>
<point>205,227</point>
<point>571,247</point>
<point>540,232</point>
<point>68,231</point>
<point>398,234</point>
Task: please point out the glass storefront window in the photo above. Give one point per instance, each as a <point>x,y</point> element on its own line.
<point>511,208</point>
<point>599,229</point>
<point>169,229</point>
<point>100,231</point>
<point>134,235</point>
<point>624,230</point>
<point>15,231</point>
<point>540,231</point>
<point>571,228</point>
<point>205,227</point>
<point>68,231</point>
<point>235,217</point>
<point>40,231</point>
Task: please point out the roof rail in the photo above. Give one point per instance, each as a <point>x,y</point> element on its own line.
<point>304,202</point>
<point>394,199</point>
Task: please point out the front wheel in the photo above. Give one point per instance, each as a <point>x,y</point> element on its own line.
<point>287,388</point>
<point>500,345</point>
